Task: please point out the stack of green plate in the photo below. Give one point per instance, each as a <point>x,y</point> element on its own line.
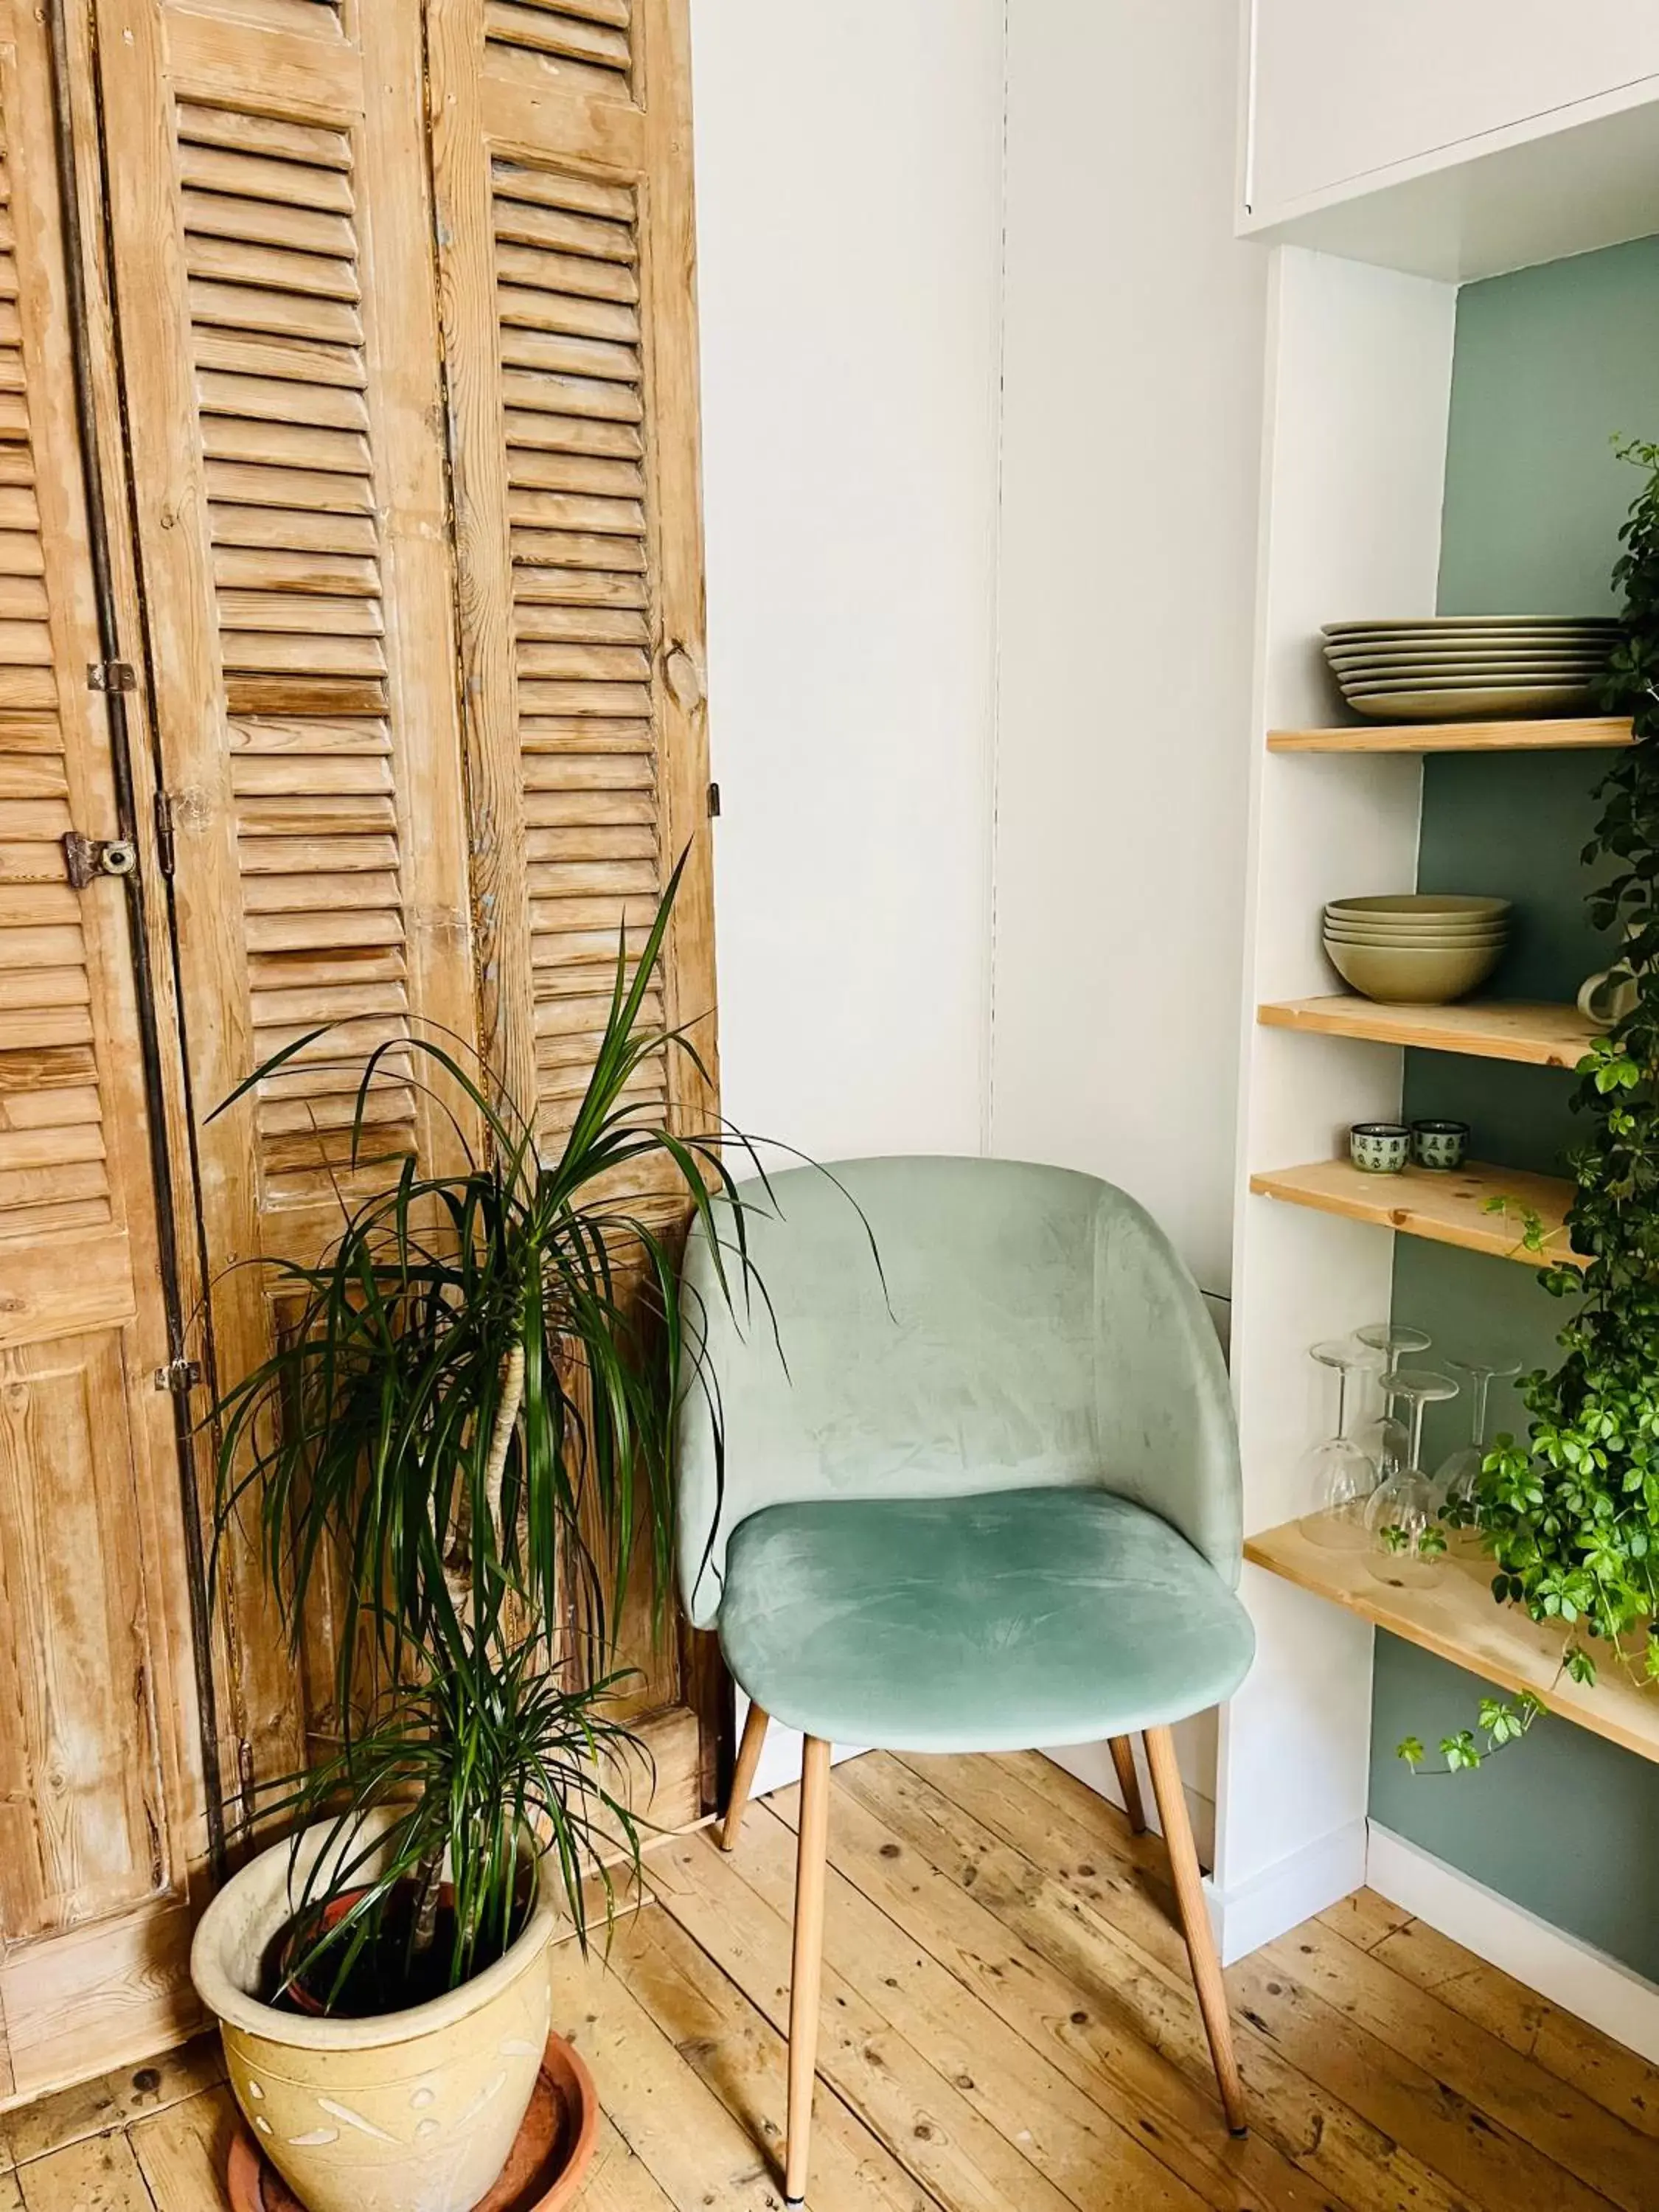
<point>1446,668</point>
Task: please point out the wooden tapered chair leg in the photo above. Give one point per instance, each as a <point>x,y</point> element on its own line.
<point>743,1776</point>
<point>1195,1922</point>
<point>806,1968</point>
<point>1123,1758</point>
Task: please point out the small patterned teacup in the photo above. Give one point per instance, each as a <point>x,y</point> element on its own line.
<point>1379,1147</point>
<point>1439,1144</point>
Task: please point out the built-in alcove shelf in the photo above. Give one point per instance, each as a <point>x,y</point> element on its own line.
<point>1447,1207</point>
<point>1591,732</point>
<point>1540,1035</point>
<point>1456,1619</point>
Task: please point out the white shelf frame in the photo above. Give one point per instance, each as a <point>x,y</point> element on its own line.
<point>1358,398</point>
<point>1356,406</point>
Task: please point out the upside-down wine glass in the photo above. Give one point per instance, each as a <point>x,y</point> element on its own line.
<point>1402,1517</point>
<point>1339,1475</point>
<point>1457,1478</point>
<point>1385,1437</point>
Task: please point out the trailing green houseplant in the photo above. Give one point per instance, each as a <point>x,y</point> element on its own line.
<point>461,1445</point>
<point>1570,1514</point>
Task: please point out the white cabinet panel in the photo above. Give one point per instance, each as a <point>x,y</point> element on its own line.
<point>1344,87</point>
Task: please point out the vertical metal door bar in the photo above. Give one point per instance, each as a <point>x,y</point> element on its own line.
<point>150,1033</point>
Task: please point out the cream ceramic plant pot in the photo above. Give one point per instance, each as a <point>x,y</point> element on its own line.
<point>412,2111</point>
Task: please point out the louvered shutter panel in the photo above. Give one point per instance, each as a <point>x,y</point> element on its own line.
<point>589,42</point>
<point>273,261</point>
<point>562,172</point>
<point>562,164</point>
<point>100,1805</point>
<point>277,338</point>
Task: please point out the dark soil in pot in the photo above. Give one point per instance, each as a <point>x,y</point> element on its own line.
<point>373,1969</point>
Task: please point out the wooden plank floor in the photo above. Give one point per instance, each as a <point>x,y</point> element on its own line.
<point>1008,2028</point>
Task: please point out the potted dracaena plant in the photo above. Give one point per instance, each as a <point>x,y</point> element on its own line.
<point>1570,1513</point>
<point>468,1411</point>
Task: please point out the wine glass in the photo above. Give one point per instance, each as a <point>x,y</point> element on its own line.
<point>1457,1478</point>
<point>1385,1437</point>
<point>1338,1474</point>
<point>1389,1434</point>
<point>1401,1518</point>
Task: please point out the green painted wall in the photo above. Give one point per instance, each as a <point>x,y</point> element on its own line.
<point>1549,363</point>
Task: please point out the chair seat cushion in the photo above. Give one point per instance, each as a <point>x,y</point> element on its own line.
<point>987,1623</point>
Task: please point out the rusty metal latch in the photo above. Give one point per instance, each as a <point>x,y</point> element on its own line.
<point>86,857</point>
<point>180,1375</point>
<point>111,676</point>
<point>166,850</point>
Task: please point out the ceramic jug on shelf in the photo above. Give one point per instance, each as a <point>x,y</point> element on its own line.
<point>1608,996</point>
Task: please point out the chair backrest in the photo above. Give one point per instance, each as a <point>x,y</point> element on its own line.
<point>1035,1328</point>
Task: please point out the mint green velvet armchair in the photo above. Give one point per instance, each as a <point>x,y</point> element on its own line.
<point>988,1502</point>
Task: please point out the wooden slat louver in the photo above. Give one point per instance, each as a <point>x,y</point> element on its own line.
<point>53,1170</point>
<point>272,256</point>
<point>310,16</point>
<point>573,418</point>
<point>565,250</point>
<point>585,45</point>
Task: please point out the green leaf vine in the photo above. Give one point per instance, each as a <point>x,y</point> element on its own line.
<point>1570,1514</point>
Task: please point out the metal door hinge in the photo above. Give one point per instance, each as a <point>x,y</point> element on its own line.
<point>111,676</point>
<point>714,800</point>
<point>86,857</point>
<point>179,1375</point>
<point>164,845</point>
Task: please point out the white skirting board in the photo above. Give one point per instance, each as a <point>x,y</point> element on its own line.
<point>1569,1973</point>
<point>1282,1896</point>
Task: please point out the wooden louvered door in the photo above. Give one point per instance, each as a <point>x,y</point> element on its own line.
<point>424,606</point>
<point>562,166</point>
<point>401,327</point>
<point>273,267</point>
<point>100,1807</point>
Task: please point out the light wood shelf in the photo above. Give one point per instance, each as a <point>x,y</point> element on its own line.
<point>1542,1036</point>
<point>1456,1619</point>
<point>1446,1208</point>
<point>1590,730</point>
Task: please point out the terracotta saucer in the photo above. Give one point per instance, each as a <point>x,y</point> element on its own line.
<point>545,2169</point>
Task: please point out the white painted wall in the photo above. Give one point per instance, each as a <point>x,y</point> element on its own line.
<point>1132,348</point>
<point>922,603</point>
<point>1131,436</point>
<point>848,173</point>
<point>848,166</point>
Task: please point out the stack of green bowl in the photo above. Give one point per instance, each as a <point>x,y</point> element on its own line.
<point>1420,949</point>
